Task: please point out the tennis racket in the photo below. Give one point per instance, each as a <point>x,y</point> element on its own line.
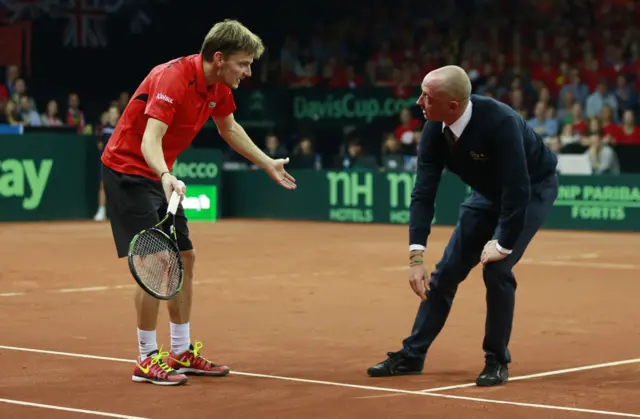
<point>154,257</point>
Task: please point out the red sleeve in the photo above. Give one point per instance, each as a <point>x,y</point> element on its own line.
<point>166,95</point>
<point>226,106</point>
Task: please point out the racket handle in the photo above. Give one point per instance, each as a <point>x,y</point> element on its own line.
<point>173,203</point>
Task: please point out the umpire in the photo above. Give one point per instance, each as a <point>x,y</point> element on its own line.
<point>512,176</point>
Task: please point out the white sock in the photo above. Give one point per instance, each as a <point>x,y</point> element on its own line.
<point>146,343</point>
<point>180,337</point>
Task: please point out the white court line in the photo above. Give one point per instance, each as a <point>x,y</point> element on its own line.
<point>568,263</point>
<point>559,263</point>
<point>69,409</point>
<point>355,386</point>
<point>12,294</point>
<point>198,282</point>
<point>525,377</point>
<point>544,374</point>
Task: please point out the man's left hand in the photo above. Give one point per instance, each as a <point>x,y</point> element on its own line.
<point>275,169</point>
<point>490,253</point>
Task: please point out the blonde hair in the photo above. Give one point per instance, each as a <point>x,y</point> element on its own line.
<point>229,37</point>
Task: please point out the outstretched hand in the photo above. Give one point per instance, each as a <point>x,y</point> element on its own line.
<point>275,170</point>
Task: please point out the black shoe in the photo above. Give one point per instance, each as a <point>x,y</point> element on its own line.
<point>396,364</point>
<point>493,374</point>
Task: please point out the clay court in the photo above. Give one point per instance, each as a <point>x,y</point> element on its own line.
<point>299,311</point>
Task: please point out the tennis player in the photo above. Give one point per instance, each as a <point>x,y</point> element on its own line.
<point>165,113</point>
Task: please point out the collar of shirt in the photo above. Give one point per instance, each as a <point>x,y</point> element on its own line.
<point>201,84</point>
<point>458,127</point>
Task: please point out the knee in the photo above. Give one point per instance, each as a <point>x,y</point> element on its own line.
<point>188,262</point>
<point>448,275</point>
<point>498,274</point>
<point>444,283</point>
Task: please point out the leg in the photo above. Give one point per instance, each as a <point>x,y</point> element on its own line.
<point>501,286</point>
<point>184,357</point>
<point>101,214</point>
<point>132,203</point>
<point>180,306</point>
<point>474,228</point>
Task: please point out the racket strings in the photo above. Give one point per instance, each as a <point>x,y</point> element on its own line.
<point>156,262</point>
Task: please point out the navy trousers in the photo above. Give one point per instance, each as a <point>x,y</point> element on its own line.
<point>477,225</point>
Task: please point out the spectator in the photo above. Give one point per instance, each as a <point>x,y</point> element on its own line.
<point>609,128</point>
<point>50,117</point>
<point>404,131</point>
<point>123,101</point>
<point>391,153</point>
<point>540,124</point>
<point>8,90</point>
<point>27,112</point>
<point>629,132</point>
<point>544,96</point>
<point>626,96</point>
<point>75,117</point>
<point>564,107</point>
<point>10,114</point>
<point>597,99</point>
<point>546,73</point>
<point>19,89</point>
<point>273,148</point>
<point>602,157</point>
<point>111,119</point>
<point>304,155</point>
<point>576,87</point>
<point>568,136</point>
<point>516,101</point>
<point>577,119</point>
<point>354,152</point>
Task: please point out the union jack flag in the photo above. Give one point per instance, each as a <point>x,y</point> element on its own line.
<point>26,9</point>
<point>86,22</point>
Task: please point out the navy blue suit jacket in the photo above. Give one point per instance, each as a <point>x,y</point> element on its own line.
<point>498,155</point>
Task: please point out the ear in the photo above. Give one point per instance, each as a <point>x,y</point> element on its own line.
<point>218,58</point>
<point>453,105</point>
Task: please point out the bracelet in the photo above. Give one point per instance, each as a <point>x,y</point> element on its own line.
<point>416,262</point>
<point>163,173</point>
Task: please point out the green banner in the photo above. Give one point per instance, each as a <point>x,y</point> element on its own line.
<point>364,197</point>
<point>262,108</point>
<point>48,177</point>
<point>349,105</point>
<point>199,169</point>
<point>597,203</point>
<point>584,202</point>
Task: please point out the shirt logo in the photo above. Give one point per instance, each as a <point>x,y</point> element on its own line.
<point>478,156</point>
<point>212,104</point>
<point>162,96</point>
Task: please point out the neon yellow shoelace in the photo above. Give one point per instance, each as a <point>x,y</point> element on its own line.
<point>157,359</point>
<point>196,351</point>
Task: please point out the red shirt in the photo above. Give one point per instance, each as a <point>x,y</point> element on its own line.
<point>176,94</point>
<point>624,138</point>
<point>404,134</point>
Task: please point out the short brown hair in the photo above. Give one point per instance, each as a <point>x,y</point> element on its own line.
<point>229,37</point>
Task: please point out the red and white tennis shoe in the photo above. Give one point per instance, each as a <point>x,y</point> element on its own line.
<point>192,363</point>
<point>154,370</point>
